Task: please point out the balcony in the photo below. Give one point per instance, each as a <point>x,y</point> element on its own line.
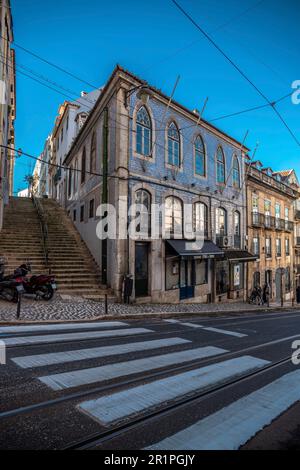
<point>258,220</point>
<point>270,222</point>
<point>289,226</point>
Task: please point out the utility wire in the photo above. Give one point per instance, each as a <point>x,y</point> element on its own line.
<point>132,107</point>
<point>187,15</point>
<point>61,69</point>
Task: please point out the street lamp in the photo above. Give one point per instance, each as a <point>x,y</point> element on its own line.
<point>143,94</point>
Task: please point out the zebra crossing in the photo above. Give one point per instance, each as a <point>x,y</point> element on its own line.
<point>208,328</point>
<point>228,428</point>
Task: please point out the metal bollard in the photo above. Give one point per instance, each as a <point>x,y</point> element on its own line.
<point>106,305</point>
<point>19,307</point>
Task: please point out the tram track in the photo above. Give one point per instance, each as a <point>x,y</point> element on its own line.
<point>111,388</point>
<point>97,439</point>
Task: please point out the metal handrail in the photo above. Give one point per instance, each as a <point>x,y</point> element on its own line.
<point>44,230</point>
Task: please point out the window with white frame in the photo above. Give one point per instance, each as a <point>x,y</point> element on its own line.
<point>236,180</point>
<point>143,132</point>
<point>220,166</point>
<point>143,207</point>
<point>200,161</point>
<point>268,247</point>
<point>173,145</point>
<point>255,246</point>
<point>278,247</point>
<point>287,247</point>
<point>173,216</point>
<point>201,219</point>
<point>221,221</point>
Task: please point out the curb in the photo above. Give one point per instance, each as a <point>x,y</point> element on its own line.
<point>153,316</point>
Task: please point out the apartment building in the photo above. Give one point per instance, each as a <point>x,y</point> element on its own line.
<point>271,199</point>
<point>7,105</point>
<point>138,148</point>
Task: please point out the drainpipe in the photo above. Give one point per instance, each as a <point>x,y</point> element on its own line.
<point>105,192</point>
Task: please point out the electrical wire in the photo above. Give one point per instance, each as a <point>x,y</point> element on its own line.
<point>239,70</point>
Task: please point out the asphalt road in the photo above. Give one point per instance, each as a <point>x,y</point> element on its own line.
<point>190,383</point>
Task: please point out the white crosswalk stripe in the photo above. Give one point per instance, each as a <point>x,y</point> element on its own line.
<point>108,409</point>
<point>207,328</point>
<point>234,425</point>
<point>62,326</point>
<point>39,360</point>
<point>116,370</point>
<point>226,332</point>
<point>24,340</point>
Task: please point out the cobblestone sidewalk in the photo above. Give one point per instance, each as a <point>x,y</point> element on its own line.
<point>80,309</point>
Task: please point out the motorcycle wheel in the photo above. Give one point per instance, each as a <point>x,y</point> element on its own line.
<point>48,292</point>
<point>9,294</point>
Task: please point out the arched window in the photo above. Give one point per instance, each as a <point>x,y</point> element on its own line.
<point>83,166</point>
<point>221,222</point>
<point>200,163</point>
<point>236,181</point>
<point>201,219</point>
<point>237,229</point>
<point>93,153</point>
<point>143,132</point>
<point>220,166</point>
<point>173,217</point>
<point>173,145</point>
<point>143,203</point>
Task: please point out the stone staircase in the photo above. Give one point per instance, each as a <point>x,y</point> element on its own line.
<point>20,237</point>
<point>71,263</point>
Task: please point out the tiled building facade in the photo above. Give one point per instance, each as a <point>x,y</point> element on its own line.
<point>137,147</point>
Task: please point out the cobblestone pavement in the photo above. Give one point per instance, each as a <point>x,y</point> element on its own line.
<point>79,309</point>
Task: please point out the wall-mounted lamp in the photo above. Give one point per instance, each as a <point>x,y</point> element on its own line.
<point>143,94</point>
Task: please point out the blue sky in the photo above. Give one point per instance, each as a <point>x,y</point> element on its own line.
<point>155,41</point>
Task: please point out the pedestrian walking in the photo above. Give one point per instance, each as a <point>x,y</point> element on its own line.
<point>298,294</point>
<point>128,288</point>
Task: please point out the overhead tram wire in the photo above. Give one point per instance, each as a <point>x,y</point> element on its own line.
<point>77,170</point>
<point>239,70</point>
<point>132,107</point>
<point>9,63</point>
<point>58,67</point>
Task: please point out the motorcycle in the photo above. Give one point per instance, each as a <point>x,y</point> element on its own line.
<point>10,287</point>
<point>43,285</point>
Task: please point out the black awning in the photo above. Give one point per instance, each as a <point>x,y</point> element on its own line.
<point>239,255</point>
<point>187,249</point>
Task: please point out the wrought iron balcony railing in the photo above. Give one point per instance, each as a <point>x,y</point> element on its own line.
<point>270,222</point>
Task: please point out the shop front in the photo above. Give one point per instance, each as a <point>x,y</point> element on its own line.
<point>189,269</point>
<point>230,275</point>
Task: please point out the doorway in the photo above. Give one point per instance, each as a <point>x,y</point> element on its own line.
<point>268,280</point>
<point>141,269</point>
<point>278,284</point>
<point>187,276</point>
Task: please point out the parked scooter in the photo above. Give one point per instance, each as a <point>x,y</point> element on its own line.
<point>43,285</point>
<point>10,287</point>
